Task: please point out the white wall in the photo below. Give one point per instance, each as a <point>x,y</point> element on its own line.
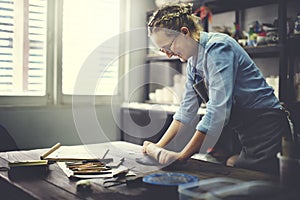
<point>34,127</point>
<point>138,21</point>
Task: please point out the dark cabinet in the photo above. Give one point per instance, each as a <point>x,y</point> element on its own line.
<point>140,124</point>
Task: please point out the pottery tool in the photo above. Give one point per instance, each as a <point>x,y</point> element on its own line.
<point>52,149</point>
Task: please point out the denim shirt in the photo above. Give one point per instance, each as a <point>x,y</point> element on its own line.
<point>231,78</point>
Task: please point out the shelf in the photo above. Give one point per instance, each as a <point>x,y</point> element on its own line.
<point>219,6</point>
<point>294,45</point>
<point>161,58</point>
<point>161,107</point>
<point>263,51</point>
<point>259,51</point>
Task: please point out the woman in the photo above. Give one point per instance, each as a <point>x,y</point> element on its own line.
<point>221,74</point>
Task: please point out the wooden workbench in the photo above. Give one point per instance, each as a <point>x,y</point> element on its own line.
<point>56,185</point>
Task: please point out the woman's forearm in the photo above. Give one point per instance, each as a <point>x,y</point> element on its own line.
<point>193,146</point>
<point>170,133</point>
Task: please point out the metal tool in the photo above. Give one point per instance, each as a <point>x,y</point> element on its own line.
<point>118,178</point>
<point>116,164</point>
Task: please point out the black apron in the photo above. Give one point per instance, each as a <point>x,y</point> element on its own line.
<point>260,133</point>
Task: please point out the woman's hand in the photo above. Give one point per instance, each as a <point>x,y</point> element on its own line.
<point>145,145</point>
<point>168,157</point>
<point>163,156</point>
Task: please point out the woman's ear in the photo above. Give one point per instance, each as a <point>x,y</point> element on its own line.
<point>185,30</point>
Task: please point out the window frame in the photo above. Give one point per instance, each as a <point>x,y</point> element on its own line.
<point>25,100</point>
<point>54,95</point>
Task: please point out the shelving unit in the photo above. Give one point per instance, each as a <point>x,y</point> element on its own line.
<point>293,52</point>
<point>220,6</point>
<point>284,50</point>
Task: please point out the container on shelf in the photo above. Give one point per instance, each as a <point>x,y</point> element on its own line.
<point>297,25</point>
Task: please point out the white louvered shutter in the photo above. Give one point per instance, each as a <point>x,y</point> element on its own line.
<point>23,47</point>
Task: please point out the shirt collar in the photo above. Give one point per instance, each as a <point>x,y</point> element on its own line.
<point>202,46</point>
<point>204,37</point>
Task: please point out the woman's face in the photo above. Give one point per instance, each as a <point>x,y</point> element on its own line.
<point>182,45</point>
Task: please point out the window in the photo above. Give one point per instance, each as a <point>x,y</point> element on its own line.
<point>87,27</point>
<point>22,48</point>
<point>34,70</point>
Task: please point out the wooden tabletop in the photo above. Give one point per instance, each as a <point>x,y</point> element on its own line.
<point>56,185</point>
